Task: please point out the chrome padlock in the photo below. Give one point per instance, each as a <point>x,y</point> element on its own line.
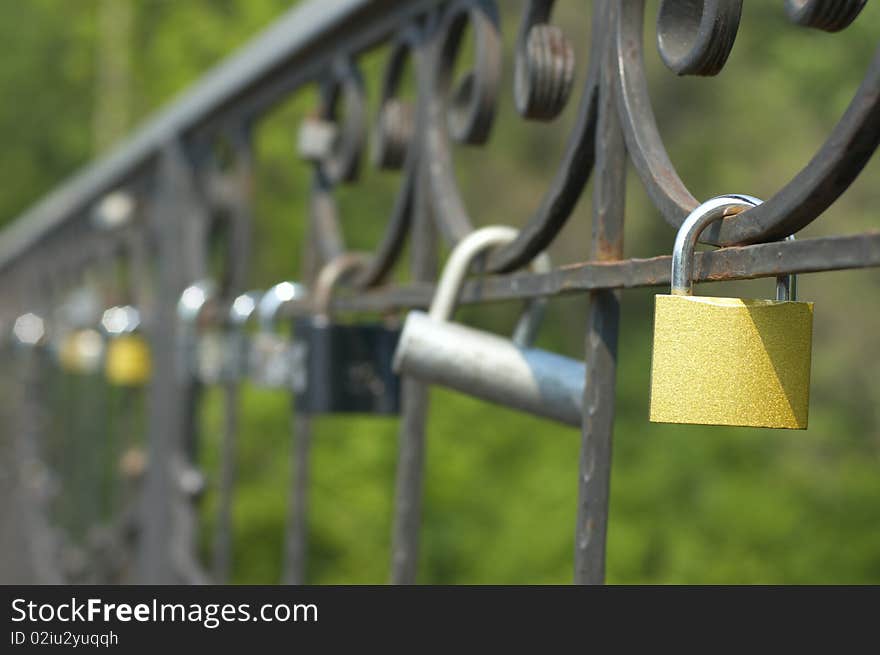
<point>128,362</point>
<point>347,366</point>
<point>484,365</point>
<point>275,361</point>
<point>728,361</point>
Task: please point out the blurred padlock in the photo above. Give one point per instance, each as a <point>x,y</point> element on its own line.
<point>214,350</point>
<point>81,351</point>
<point>237,344</point>
<point>127,362</point>
<point>76,344</point>
<point>200,344</point>
<point>210,356</point>
<point>347,365</point>
<point>505,371</point>
<point>728,361</point>
<point>275,361</point>
<point>316,139</point>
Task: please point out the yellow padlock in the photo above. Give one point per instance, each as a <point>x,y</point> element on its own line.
<point>128,362</point>
<point>729,361</point>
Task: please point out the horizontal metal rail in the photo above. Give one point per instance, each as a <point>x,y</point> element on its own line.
<point>735,263</point>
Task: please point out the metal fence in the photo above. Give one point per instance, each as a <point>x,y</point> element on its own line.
<point>152,206</point>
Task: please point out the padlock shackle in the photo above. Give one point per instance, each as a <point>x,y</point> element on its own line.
<point>331,274</point>
<point>786,285</point>
<point>459,262</point>
<point>120,319</point>
<point>271,302</point>
<point>691,229</point>
<point>242,308</point>
<point>194,299</point>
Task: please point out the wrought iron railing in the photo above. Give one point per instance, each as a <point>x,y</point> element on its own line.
<point>152,202</point>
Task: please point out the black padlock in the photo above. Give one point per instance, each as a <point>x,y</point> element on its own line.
<point>347,366</point>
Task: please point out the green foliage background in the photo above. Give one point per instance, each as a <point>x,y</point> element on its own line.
<point>689,504</point>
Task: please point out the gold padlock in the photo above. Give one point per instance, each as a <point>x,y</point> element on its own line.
<point>80,351</point>
<point>128,362</point>
<point>729,361</point>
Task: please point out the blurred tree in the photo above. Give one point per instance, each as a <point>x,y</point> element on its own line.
<point>113,84</point>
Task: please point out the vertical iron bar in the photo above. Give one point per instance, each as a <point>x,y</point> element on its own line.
<point>296,544</point>
<point>238,254</point>
<point>324,242</point>
<point>167,547</point>
<point>603,317</point>
<point>132,423</point>
<point>415,398</point>
<point>223,536</point>
<point>409,485</point>
<point>38,558</point>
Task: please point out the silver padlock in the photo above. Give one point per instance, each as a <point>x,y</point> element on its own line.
<point>504,371</point>
<point>277,362</point>
<point>212,348</point>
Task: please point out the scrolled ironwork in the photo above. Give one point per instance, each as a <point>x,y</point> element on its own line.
<point>471,100</point>
<point>395,120</point>
<point>345,87</point>
<point>695,38</point>
<point>544,64</point>
<point>832,169</point>
<point>827,15</point>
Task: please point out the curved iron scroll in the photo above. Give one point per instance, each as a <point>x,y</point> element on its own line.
<point>693,38</point>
